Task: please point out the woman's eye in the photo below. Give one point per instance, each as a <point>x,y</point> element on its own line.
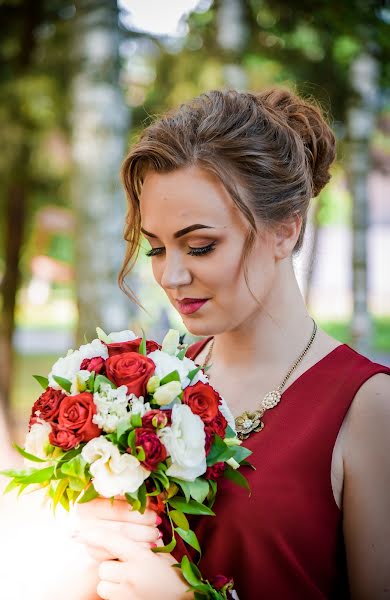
<point>192,252</point>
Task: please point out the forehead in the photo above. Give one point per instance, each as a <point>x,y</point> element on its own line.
<point>174,200</point>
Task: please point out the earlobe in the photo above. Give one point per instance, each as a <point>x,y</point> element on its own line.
<point>286,236</point>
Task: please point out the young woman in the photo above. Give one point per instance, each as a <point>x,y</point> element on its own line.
<point>220,188</point>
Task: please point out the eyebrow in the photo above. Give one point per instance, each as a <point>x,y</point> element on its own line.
<point>181,232</point>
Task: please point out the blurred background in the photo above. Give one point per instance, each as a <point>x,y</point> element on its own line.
<point>79,81</point>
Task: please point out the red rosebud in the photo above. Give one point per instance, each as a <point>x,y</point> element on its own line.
<point>155,451</point>
<point>156,503</point>
<point>218,425</point>
<point>131,346</point>
<point>96,364</point>
<point>76,413</point>
<point>203,400</point>
<point>220,581</point>
<point>130,369</point>
<point>156,419</point>
<point>215,472</point>
<point>47,405</point>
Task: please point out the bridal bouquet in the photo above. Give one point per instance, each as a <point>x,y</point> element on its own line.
<point>123,415</point>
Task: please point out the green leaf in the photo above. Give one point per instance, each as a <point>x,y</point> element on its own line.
<point>230,433</point>
<point>29,456</point>
<point>90,383</point>
<point>179,519</point>
<point>192,373</point>
<point>132,499</point>
<point>11,486</point>
<point>136,420</point>
<point>219,452</point>
<point>76,485</point>
<point>198,489</point>
<point>102,379</point>
<point>103,336</point>
<point>75,467</point>
<point>189,537</point>
<point>22,488</point>
<point>142,498</point>
<point>184,486</point>
<point>131,442</point>
<point>240,453</point>
<point>43,381</point>
<point>64,383</point>
<point>166,549</point>
<point>142,346</point>
<point>237,477</point>
<point>172,376</point>
<point>192,507</point>
<point>36,476</point>
<point>123,426</point>
<point>160,476</point>
<point>60,489</point>
<point>191,575</point>
<point>89,494</point>
<point>180,355</point>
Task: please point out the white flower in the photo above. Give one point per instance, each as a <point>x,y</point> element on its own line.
<point>167,393</point>
<point>122,336</point>
<point>185,443</point>
<point>68,366</point>
<point>225,410</point>
<point>111,405</point>
<point>113,473</point>
<point>170,342</point>
<point>165,364</point>
<point>138,405</point>
<point>36,441</point>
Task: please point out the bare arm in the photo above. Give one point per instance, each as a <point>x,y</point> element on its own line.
<point>366,498</point>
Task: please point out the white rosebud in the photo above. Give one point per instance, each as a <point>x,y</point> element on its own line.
<point>166,393</point>
<point>233,463</point>
<point>152,384</point>
<point>122,336</point>
<point>170,342</point>
<point>36,442</point>
<point>79,382</point>
<point>113,473</point>
<point>166,363</point>
<point>185,443</point>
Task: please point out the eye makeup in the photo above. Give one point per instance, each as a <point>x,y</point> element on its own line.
<point>193,251</point>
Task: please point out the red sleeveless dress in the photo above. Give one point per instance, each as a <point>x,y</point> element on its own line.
<point>285,540</point>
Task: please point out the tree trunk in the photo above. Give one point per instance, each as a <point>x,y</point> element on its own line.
<point>100,123</point>
<point>360,125</point>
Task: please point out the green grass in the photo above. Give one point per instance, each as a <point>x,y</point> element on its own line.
<point>381,332</point>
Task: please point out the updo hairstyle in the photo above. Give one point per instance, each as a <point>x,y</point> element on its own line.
<point>271,151</point>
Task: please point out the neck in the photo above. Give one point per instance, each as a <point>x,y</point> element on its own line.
<point>274,334</point>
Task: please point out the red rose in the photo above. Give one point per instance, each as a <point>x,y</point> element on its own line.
<point>220,581</point>
<point>76,414</point>
<point>156,418</point>
<point>130,369</point>
<point>96,364</point>
<point>131,346</point>
<point>209,440</point>
<point>216,471</point>
<point>203,400</point>
<point>47,405</point>
<point>218,425</point>
<point>64,438</point>
<point>154,450</point>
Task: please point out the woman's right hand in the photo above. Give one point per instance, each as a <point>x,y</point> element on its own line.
<point>116,516</point>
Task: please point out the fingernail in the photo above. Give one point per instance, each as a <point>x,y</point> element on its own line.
<point>158,520</point>
<point>153,545</point>
<point>160,534</point>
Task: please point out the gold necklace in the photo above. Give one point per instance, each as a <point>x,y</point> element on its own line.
<point>249,422</point>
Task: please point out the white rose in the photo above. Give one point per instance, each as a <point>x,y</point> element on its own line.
<point>113,473</point>
<point>36,441</point>
<point>170,342</point>
<point>68,366</point>
<point>122,336</point>
<point>165,364</point>
<point>185,443</point>
<point>167,393</point>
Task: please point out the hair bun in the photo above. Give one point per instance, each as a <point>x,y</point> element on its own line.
<point>308,121</point>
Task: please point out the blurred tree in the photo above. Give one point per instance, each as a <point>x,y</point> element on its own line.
<point>100,122</point>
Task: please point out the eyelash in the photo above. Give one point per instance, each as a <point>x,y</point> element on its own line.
<point>193,251</point>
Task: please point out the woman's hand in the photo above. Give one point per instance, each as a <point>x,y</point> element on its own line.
<point>139,573</point>
<point>115,517</point>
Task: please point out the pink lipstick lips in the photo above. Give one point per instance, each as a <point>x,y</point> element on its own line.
<point>190,305</point>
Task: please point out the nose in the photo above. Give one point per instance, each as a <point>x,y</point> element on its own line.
<point>175,273</point>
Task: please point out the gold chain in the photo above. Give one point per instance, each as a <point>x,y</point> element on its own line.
<point>249,422</point>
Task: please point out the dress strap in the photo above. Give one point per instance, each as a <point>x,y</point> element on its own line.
<point>194,349</point>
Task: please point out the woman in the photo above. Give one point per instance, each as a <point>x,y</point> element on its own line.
<point>221,188</point>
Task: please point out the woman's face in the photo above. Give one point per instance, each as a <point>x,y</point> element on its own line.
<point>197,237</point>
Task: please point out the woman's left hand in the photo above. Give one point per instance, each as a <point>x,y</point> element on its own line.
<point>139,573</point>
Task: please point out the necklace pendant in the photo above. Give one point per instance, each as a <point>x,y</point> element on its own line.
<point>248,423</point>
<point>271,399</point>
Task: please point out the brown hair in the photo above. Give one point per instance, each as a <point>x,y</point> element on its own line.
<point>272,152</point>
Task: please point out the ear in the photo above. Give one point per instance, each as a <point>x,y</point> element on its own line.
<point>286,236</point>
